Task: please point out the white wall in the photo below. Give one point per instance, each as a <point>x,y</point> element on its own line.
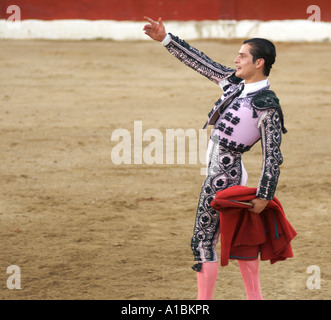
<point>285,30</point>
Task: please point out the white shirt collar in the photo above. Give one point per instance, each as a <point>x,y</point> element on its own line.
<point>255,86</point>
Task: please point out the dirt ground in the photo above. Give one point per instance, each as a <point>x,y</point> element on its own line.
<point>81,227</point>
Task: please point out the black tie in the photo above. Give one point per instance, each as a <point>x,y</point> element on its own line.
<point>216,113</point>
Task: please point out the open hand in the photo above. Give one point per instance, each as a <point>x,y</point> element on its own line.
<point>155,30</point>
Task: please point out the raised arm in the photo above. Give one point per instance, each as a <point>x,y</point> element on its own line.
<point>187,54</point>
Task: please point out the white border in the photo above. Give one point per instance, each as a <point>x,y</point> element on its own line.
<point>282,30</point>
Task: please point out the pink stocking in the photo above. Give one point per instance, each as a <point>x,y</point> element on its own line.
<point>207,277</point>
<point>250,275</point>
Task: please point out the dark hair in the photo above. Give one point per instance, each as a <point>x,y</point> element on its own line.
<point>265,49</point>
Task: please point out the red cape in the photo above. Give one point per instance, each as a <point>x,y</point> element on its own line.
<point>245,234</point>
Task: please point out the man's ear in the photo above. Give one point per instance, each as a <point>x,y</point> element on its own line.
<point>260,63</point>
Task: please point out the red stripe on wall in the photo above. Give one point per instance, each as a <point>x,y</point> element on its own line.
<point>180,10</point>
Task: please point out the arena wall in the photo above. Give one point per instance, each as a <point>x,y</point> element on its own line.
<point>283,20</point>
<point>178,10</point>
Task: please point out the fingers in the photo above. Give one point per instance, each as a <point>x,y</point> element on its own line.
<point>154,23</point>
<point>160,22</point>
<point>258,205</point>
<point>254,211</point>
<point>147,27</point>
<point>155,30</point>
<point>150,20</point>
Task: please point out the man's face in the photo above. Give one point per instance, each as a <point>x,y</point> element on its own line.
<point>245,67</point>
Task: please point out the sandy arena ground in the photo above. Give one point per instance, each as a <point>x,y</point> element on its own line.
<point>80,227</point>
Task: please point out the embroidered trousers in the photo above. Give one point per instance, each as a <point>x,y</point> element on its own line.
<point>224,169</point>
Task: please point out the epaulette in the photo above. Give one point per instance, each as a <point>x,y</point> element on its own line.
<point>267,99</point>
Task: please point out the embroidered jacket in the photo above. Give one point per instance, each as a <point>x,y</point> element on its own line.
<point>239,122</point>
